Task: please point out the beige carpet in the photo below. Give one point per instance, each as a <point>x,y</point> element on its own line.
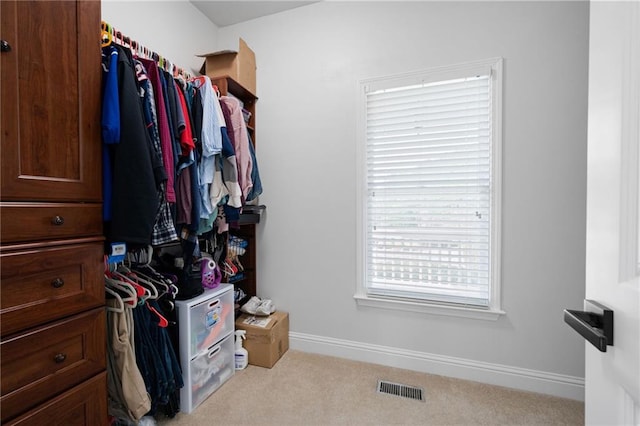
<point>308,389</point>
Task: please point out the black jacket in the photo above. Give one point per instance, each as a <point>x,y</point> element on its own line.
<point>135,201</point>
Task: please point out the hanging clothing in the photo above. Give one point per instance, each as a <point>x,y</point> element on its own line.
<point>256,190</point>
<point>155,357</point>
<point>172,114</point>
<point>229,167</point>
<point>134,200</point>
<point>195,163</point>
<point>211,143</point>
<point>186,134</point>
<point>236,200</point>
<point>110,123</point>
<point>240,139</point>
<point>110,98</point>
<point>176,119</point>
<point>128,397</point>
<point>184,200</point>
<point>163,127</point>
<point>163,230</point>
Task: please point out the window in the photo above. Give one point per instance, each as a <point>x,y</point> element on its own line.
<point>430,193</point>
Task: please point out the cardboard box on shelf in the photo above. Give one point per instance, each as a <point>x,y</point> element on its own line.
<point>240,65</point>
<point>267,337</point>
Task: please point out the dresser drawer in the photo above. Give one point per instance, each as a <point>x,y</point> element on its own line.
<point>38,286</point>
<point>205,320</point>
<point>206,373</point>
<point>46,361</point>
<point>86,404</point>
<point>47,221</point>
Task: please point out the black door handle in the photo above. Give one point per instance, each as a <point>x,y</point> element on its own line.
<point>5,46</point>
<point>595,324</point>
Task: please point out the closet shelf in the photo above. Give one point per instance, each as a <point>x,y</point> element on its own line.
<point>232,86</point>
<point>251,214</point>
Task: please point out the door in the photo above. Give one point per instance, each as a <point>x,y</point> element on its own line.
<point>612,378</point>
<point>50,91</point>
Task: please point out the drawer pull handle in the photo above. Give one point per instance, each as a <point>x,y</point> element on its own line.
<point>214,352</point>
<point>59,358</point>
<point>57,283</point>
<point>58,220</point>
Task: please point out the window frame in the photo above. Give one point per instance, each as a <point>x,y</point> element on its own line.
<point>493,311</point>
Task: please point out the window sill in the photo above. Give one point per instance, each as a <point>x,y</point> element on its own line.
<point>428,308</point>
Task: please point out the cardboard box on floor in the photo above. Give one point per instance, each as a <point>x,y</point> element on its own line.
<point>267,337</point>
<point>240,65</point>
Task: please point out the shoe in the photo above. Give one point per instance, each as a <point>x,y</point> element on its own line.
<point>251,306</point>
<point>238,242</point>
<point>238,294</point>
<point>235,251</point>
<point>265,308</point>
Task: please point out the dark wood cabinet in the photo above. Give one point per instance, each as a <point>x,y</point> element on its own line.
<point>39,285</point>
<point>49,221</point>
<point>48,360</point>
<point>50,101</point>
<point>79,406</point>
<point>52,319</point>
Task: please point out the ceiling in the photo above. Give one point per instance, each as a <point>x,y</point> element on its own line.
<point>223,13</point>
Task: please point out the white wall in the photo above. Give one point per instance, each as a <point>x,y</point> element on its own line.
<point>174,29</point>
<point>309,62</point>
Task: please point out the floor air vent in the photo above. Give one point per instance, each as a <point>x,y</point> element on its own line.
<point>398,389</point>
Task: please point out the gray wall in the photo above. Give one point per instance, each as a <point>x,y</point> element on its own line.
<point>309,62</point>
<point>172,28</point>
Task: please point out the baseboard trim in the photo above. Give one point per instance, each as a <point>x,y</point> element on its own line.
<point>560,385</point>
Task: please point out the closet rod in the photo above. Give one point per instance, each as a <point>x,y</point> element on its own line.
<point>110,35</point>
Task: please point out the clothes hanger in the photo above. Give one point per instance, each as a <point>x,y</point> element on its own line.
<point>167,278</point>
<point>140,257</point>
<point>229,268</point>
<point>153,281</point>
<point>105,35</point>
<point>163,322</point>
<point>200,80</point>
<point>124,274</point>
<point>122,278</point>
<point>134,48</point>
<point>142,271</point>
<point>126,42</point>
<point>131,295</point>
<point>148,285</point>
<point>120,307</point>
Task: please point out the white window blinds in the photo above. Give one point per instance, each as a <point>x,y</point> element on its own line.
<point>429,189</point>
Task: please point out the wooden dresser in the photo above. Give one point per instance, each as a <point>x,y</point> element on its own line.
<point>52,319</point>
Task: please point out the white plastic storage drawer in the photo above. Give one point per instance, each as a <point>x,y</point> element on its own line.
<point>207,372</point>
<point>204,320</point>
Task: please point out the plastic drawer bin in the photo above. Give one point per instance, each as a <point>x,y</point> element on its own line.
<point>206,373</point>
<point>206,319</point>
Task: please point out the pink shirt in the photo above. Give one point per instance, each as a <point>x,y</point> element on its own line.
<point>241,144</point>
